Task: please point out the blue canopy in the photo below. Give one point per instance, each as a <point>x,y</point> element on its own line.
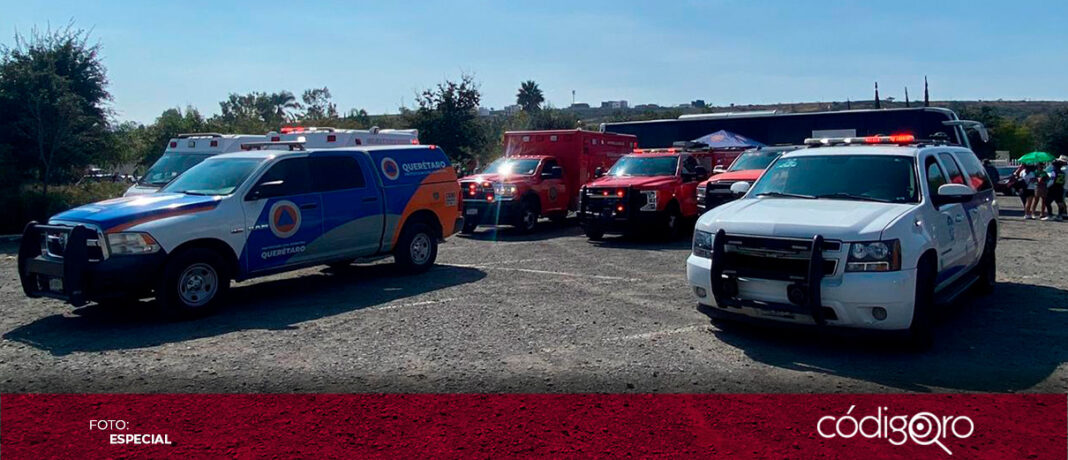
<point>723,139</point>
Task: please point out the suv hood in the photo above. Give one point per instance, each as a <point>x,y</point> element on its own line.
<point>121,213</point>
<point>646,182</point>
<point>803,218</point>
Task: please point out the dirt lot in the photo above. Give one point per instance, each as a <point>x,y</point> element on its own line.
<point>550,312</point>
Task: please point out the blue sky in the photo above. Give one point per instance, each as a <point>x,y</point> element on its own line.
<point>376,55</point>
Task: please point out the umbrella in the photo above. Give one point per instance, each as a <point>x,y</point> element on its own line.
<point>725,139</point>
<point>1036,157</point>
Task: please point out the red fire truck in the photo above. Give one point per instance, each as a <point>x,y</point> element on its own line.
<point>540,174</point>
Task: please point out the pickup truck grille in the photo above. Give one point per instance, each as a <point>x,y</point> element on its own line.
<point>714,194</point>
<point>54,243</point>
<point>473,190</point>
<point>773,258</point>
<point>606,199</point>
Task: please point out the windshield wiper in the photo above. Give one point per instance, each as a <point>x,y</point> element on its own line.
<point>195,193</point>
<point>851,196</point>
<point>786,195</point>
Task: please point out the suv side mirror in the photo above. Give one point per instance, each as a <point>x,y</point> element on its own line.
<point>599,172</point>
<point>740,188</point>
<point>265,190</point>
<point>953,193</point>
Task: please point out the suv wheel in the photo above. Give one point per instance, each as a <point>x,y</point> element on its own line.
<point>469,227</point>
<point>417,248</point>
<point>987,268</point>
<point>528,217</point>
<point>920,331</point>
<point>193,284</point>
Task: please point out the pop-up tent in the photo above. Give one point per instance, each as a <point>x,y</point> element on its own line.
<point>723,139</point>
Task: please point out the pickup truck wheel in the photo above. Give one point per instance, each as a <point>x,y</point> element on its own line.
<point>558,218</point>
<point>469,228</point>
<point>193,284</point>
<point>528,217</point>
<point>920,333</point>
<point>987,268</point>
<point>673,223</point>
<point>417,248</point>
<point>594,234</point>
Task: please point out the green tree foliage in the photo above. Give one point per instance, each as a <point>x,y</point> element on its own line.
<point>318,106</point>
<point>258,112</point>
<point>53,91</point>
<point>1005,132</point>
<point>529,96</point>
<point>447,116</point>
<point>1053,129</point>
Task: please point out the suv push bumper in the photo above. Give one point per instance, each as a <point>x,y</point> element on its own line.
<point>848,301</point>
<point>74,277</point>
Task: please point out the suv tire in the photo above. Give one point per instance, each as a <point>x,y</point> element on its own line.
<point>987,268</point>
<point>920,332</point>
<point>194,284</point>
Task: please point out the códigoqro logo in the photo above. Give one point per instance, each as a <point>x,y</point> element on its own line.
<point>923,428</point>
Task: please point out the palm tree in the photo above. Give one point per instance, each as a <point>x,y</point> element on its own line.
<point>283,104</point>
<point>529,96</point>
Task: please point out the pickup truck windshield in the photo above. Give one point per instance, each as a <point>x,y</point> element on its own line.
<point>754,160</point>
<point>169,166</point>
<point>883,178</point>
<point>645,166</point>
<point>214,177</point>
<point>505,166</point>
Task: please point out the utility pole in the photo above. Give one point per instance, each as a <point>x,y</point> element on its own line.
<point>572,97</point>
<point>877,96</point>
<point>907,97</point>
<point>926,95</point>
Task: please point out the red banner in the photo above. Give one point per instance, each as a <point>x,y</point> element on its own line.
<point>470,425</point>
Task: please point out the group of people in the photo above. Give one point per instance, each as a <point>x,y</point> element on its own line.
<point>1040,186</point>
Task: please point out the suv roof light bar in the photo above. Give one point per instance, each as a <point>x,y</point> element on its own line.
<point>896,139</point>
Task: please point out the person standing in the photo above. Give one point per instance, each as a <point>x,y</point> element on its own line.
<point>1055,191</point>
<point>1041,192</point>
<point>1027,194</point>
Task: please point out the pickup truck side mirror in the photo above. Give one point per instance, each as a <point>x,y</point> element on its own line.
<point>555,172</point>
<point>953,193</point>
<point>740,188</point>
<point>599,172</point>
<point>701,172</point>
<point>265,190</point>
<point>719,169</point>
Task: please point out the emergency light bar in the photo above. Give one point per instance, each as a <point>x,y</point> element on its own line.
<point>308,129</point>
<point>896,139</point>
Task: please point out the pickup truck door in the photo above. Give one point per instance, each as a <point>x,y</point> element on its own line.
<point>687,191</point>
<point>555,190</point>
<point>284,217</point>
<point>352,205</point>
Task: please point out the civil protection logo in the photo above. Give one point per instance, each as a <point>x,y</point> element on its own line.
<point>284,219</point>
<point>390,168</point>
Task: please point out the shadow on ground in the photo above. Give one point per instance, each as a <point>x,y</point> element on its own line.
<point>1009,341</point>
<point>544,231</point>
<point>272,305</point>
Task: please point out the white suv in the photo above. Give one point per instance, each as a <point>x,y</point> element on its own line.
<point>898,226</point>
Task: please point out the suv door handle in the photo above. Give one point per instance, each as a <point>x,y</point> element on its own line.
<point>309,206</point>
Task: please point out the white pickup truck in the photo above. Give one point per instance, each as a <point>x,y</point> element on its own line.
<point>870,232</point>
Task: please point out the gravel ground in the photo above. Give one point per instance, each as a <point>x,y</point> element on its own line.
<point>549,312</point>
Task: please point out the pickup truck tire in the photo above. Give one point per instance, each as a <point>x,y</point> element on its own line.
<point>194,284</point>
<point>987,268</point>
<point>469,228</point>
<point>673,222</point>
<point>593,234</point>
<point>527,220</point>
<point>920,333</point>
<point>417,248</point>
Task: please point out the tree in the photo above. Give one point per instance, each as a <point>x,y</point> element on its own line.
<point>317,105</point>
<point>257,111</point>
<point>1052,134</point>
<point>447,116</point>
<point>53,91</point>
<point>529,96</point>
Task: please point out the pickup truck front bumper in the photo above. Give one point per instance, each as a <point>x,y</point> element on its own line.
<point>70,263</point>
<point>482,212</point>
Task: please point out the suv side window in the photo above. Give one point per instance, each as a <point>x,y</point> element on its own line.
<point>955,176</point>
<point>977,177</point>
<point>295,177</point>
<point>935,177</point>
<point>336,173</point>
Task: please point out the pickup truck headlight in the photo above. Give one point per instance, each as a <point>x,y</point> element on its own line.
<point>505,191</point>
<point>650,200</point>
<point>874,256</point>
<point>132,243</point>
<point>702,244</point>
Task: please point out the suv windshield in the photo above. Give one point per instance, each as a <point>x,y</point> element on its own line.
<point>645,166</point>
<point>754,160</point>
<point>506,166</point>
<point>169,166</point>
<point>214,177</point>
<point>884,178</point>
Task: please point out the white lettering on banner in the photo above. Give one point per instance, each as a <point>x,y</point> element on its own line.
<point>923,428</point>
<point>140,439</point>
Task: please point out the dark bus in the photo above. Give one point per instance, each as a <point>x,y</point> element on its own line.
<point>774,128</point>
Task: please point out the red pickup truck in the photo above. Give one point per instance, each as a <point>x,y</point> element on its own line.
<point>747,167</point>
<point>539,175</point>
<point>649,189</point>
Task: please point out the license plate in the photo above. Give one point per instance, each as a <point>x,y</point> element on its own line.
<point>55,284</point>
<point>471,212</point>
